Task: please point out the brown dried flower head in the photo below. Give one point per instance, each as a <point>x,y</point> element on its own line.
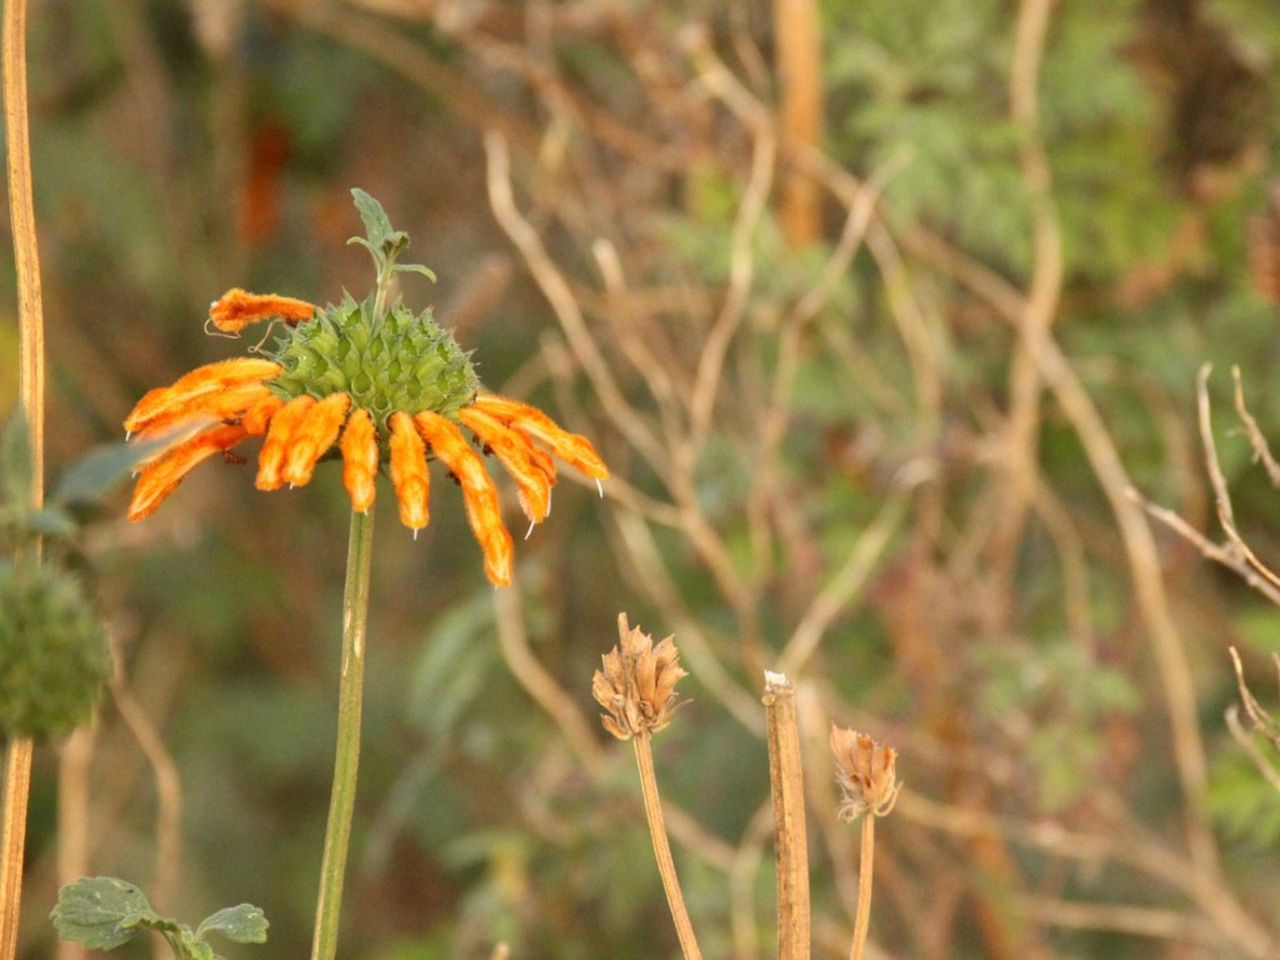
<point>637,685</point>
<point>865,772</point>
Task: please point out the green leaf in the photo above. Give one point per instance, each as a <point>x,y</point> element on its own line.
<point>415,268</point>
<point>88,479</point>
<point>376,225</point>
<point>16,463</point>
<point>101,912</point>
<point>240,924</point>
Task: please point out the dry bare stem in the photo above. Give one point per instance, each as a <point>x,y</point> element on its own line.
<point>31,391</point>
<point>75,759</point>
<point>1045,290</point>
<point>798,34</point>
<point>791,837</point>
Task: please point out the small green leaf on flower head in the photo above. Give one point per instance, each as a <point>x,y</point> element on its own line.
<point>240,924</point>
<point>16,466</point>
<point>383,242</point>
<point>377,226</point>
<point>101,913</point>
<point>415,268</point>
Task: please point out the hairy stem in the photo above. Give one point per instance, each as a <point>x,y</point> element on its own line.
<point>662,849</point>
<point>337,834</point>
<point>862,922</point>
<point>17,753</point>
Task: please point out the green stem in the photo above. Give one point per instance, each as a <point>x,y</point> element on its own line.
<point>337,834</point>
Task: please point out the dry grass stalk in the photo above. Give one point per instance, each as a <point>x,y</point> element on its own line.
<point>17,753</point>
<point>636,685</point>
<point>869,789</point>
<point>787,782</point>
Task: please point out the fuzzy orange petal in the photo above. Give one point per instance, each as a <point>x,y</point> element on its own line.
<point>258,419</point>
<point>231,403</point>
<point>237,309</point>
<point>478,493</point>
<point>360,460</point>
<point>284,427</point>
<point>409,472</point>
<point>572,448</point>
<point>162,477</point>
<point>314,436</point>
<point>519,457</point>
<point>209,379</point>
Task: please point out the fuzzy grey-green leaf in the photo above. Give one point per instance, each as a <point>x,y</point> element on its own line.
<point>244,923</point>
<point>377,226</point>
<point>101,912</point>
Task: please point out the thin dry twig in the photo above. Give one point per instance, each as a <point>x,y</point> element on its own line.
<point>168,785</point>
<point>1261,450</point>
<point>1221,494</point>
<point>1227,554</point>
<point>787,781</point>
<point>539,684</point>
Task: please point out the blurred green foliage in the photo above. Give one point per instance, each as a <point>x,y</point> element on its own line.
<point>186,147</point>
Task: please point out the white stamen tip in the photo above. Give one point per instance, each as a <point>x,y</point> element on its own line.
<point>529,532</point>
<point>415,534</point>
<point>128,434</point>
<point>600,488</point>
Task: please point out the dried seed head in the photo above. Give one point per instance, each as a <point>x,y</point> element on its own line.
<point>637,684</point>
<point>865,772</point>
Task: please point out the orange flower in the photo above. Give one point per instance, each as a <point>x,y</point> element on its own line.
<point>394,391</point>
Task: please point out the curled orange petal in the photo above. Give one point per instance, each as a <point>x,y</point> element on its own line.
<point>209,379</point>
<point>478,493</point>
<point>284,426</point>
<point>229,404</point>
<point>313,437</point>
<point>572,448</point>
<point>532,469</point>
<point>161,478</point>
<point>360,460</point>
<point>409,472</point>
<point>237,309</point>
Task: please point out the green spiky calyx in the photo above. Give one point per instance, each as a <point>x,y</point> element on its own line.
<point>406,362</point>
<point>53,657</point>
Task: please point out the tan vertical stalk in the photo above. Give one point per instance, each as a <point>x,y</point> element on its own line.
<point>17,754</point>
<point>788,815</point>
<point>798,39</point>
<point>662,848</point>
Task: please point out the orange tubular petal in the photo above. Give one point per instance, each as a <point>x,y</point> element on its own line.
<point>237,309</point>
<point>519,456</point>
<point>162,477</point>
<point>258,419</point>
<point>409,472</point>
<point>572,448</point>
<point>314,436</point>
<point>478,493</point>
<point>229,404</point>
<point>360,460</point>
<point>284,427</point>
<point>209,379</point>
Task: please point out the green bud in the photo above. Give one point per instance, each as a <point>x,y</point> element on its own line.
<point>53,657</point>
